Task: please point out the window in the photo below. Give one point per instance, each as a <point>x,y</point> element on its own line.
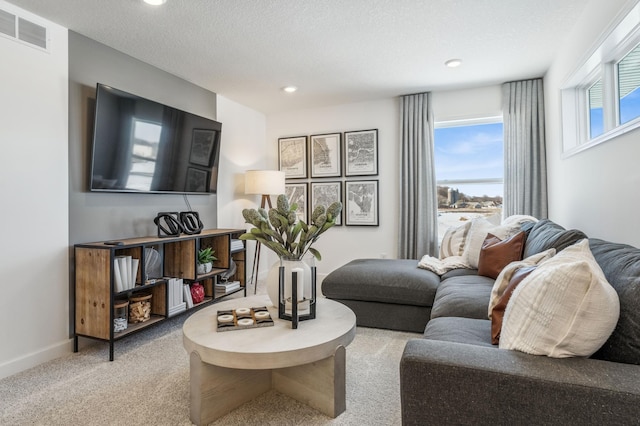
<point>629,86</point>
<point>596,120</point>
<point>602,98</point>
<point>469,161</point>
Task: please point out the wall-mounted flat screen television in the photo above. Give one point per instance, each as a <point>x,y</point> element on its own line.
<point>144,146</point>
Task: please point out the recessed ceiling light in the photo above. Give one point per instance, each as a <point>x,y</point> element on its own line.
<point>453,63</point>
<point>155,2</point>
<point>290,89</point>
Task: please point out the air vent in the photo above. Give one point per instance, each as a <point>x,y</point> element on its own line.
<point>21,29</point>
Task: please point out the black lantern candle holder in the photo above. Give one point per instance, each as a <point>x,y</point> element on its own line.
<point>294,316</point>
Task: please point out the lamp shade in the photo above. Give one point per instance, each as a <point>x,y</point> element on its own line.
<point>264,182</point>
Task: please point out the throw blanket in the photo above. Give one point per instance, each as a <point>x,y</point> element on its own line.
<point>442,266</point>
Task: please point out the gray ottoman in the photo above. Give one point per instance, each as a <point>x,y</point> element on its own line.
<point>384,293</point>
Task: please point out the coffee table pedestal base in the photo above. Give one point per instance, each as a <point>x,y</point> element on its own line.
<point>215,391</point>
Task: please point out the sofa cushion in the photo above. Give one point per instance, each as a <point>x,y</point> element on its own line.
<point>454,240</point>
<point>564,308</point>
<point>459,330</point>
<point>621,265</point>
<point>497,312</point>
<point>465,296</point>
<point>397,281</point>
<point>480,227</point>
<point>546,234</point>
<point>496,253</point>
<point>502,281</point>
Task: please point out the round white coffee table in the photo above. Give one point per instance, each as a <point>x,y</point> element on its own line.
<point>231,367</point>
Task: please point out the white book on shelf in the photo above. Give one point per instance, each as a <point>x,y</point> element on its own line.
<point>187,296</point>
<point>177,309</point>
<point>236,245</point>
<point>171,291</point>
<point>117,277</point>
<point>231,286</point>
<point>122,265</point>
<point>127,272</point>
<point>134,272</point>
<point>179,291</point>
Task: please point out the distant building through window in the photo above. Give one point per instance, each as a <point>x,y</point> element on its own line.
<point>469,161</point>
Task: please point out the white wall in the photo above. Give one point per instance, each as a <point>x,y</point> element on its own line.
<point>34,254</point>
<point>344,243</point>
<point>595,190</point>
<point>243,148</point>
<point>481,102</point>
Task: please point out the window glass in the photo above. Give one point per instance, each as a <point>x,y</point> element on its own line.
<point>629,86</point>
<point>469,163</point>
<point>596,119</point>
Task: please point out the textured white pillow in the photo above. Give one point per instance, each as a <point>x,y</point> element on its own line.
<point>518,219</point>
<point>564,308</point>
<point>480,227</point>
<point>504,278</point>
<point>454,240</point>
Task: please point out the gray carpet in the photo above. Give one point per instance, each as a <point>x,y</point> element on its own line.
<point>148,384</point>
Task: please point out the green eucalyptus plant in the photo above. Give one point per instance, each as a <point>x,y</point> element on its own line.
<point>279,231</point>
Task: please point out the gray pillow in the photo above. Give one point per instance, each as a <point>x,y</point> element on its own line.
<point>546,234</point>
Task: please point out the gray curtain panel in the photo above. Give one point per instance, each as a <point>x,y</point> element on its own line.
<point>418,233</point>
<point>525,170</point>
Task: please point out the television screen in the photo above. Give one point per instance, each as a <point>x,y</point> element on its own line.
<point>144,146</point>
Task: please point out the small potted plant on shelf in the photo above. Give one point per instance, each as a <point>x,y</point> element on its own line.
<point>205,260</point>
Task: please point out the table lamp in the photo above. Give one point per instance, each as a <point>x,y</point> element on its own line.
<point>264,183</point>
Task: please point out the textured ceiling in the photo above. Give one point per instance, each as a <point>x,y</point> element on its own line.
<point>335,51</point>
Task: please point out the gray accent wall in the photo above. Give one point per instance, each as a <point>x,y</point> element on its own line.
<point>95,216</point>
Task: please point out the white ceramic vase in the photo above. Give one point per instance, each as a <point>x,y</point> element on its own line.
<point>273,280</point>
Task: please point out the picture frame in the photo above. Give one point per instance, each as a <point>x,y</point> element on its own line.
<point>326,193</point>
<point>361,203</point>
<point>196,180</point>
<point>361,153</point>
<point>326,155</point>
<point>292,157</point>
<point>202,141</point>
<point>298,193</point>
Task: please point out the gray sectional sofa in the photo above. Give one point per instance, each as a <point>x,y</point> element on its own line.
<point>454,375</point>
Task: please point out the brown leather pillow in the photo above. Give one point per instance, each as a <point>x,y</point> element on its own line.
<point>496,254</point>
<point>497,313</point>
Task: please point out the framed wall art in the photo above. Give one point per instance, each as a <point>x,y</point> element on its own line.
<point>292,156</point>
<point>325,155</point>
<point>361,153</point>
<point>361,207</point>
<point>298,193</point>
<point>324,194</point>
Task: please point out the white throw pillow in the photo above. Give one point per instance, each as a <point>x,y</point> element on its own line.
<point>518,219</point>
<point>504,278</point>
<point>454,240</point>
<point>480,227</point>
<point>564,308</point>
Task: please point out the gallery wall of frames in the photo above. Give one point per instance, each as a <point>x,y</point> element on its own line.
<point>328,167</point>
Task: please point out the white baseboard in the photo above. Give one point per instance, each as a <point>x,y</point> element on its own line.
<point>34,359</point>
